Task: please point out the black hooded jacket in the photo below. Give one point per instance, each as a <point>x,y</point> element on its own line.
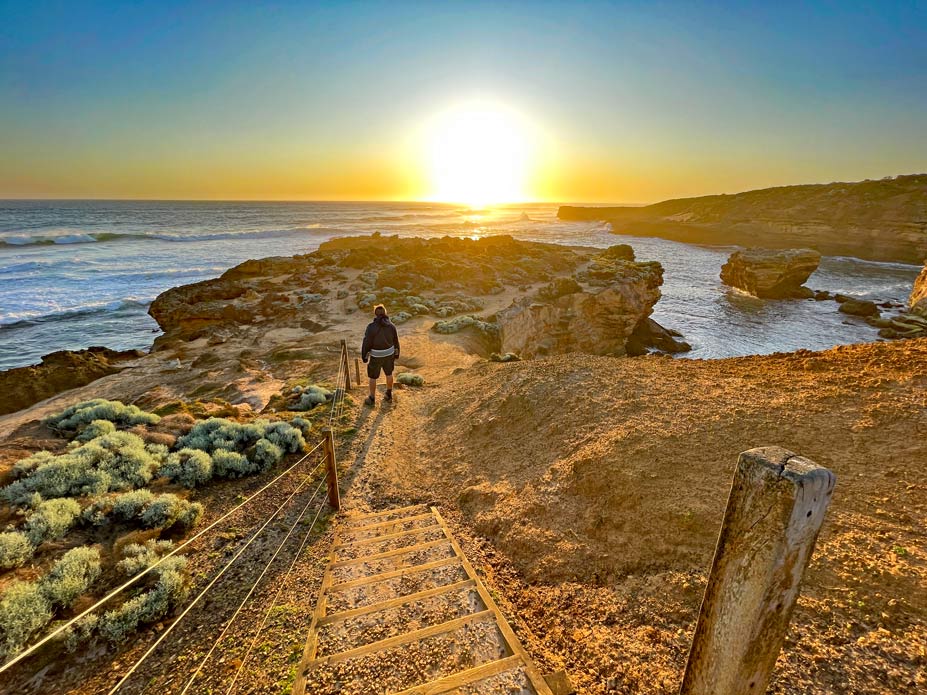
<point>380,335</point>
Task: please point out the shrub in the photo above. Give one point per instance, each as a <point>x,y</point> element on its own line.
<point>129,505</point>
<point>463,322</point>
<point>95,429</point>
<point>170,589</point>
<point>265,454</point>
<point>23,611</point>
<point>71,576</point>
<point>410,379</point>
<point>166,510</point>
<point>302,425</point>
<point>15,549</point>
<point>284,435</point>
<point>114,461</point>
<point>80,632</point>
<point>231,464</point>
<point>139,557</point>
<point>313,396</point>
<point>51,519</point>
<point>189,467</point>
<point>220,433</point>
<point>25,466</point>
<point>84,413</point>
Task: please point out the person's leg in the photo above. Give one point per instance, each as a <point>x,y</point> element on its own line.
<point>388,370</point>
<point>373,373</point>
<point>373,387</point>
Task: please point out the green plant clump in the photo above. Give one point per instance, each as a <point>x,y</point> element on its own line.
<point>95,429</point>
<point>145,508</point>
<point>15,549</point>
<point>410,379</point>
<point>51,520</point>
<point>27,607</point>
<point>85,413</point>
<point>312,396</point>
<point>139,557</point>
<point>189,467</point>
<point>115,461</point>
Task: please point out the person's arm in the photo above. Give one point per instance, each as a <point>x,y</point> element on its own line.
<point>365,346</point>
<point>395,342</point>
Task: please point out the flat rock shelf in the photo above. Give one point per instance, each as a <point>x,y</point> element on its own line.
<point>402,612</point>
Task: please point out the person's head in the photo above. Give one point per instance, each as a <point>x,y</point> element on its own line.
<point>379,311</point>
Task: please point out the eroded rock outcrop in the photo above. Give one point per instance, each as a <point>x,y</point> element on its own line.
<point>917,303</point>
<point>58,371</point>
<point>597,319</point>
<point>771,274</point>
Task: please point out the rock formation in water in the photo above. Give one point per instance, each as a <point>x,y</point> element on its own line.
<point>771,274</point>
<point>58,371</point>
<point>883,220</point>
<point>597,319</point>
<point>918,300</point>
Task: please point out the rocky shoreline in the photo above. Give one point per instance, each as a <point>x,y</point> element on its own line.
<point>874,220</point>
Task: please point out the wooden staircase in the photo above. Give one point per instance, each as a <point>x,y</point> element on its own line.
<point>401,612</point>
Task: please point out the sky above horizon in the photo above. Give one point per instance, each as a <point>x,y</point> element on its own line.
<point>573,102</point>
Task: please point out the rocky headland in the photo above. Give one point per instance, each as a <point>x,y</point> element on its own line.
<point>884,220</point>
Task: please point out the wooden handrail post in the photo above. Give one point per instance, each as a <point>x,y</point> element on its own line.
<point>774,512</point>
<point>346,366</point>
<point>357,370</point>
<point>331,468</point>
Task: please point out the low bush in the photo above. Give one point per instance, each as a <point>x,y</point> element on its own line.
<point>410,379</point>
<point>95,429</point>
<point>189,467</point>
<point>313,396</point>
<point>139,557</point>
<point>265,454</point>
<point>170,589</point>
<point>231,464</point>
<point>15,549</point>
<point>51,519</point>
<point>129,505</point>
<point>220,433</point>
<point>84,413</point>
<point>145,508</point>
<point>114,461</point>
<point>466,322</point>
<point>166,510</point>
<point>24,610</point>
<point>71,576</point>
<point>285,436</point>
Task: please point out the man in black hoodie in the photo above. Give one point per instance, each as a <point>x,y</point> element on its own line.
<point>381,347</point>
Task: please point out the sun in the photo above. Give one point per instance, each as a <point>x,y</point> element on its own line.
<point>478,155</point>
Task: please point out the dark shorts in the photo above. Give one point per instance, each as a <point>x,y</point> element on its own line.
<point>377,363</point>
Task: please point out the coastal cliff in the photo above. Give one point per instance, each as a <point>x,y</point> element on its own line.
<point>883,220</point>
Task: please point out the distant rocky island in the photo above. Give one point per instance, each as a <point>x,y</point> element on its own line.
<point>884,220</point>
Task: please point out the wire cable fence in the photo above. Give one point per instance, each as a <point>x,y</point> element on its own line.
<point>330,476</point>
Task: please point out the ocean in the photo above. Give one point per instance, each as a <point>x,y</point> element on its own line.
<point>80,273</point>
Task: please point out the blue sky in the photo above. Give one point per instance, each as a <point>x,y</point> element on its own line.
<point>637,101</point>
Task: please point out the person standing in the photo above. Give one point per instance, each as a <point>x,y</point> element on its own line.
<point>381,348</point>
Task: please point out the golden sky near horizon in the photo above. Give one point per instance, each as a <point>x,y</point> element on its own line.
<point>464,102</point>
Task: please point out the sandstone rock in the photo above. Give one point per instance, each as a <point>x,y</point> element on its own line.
<point>917,303</point>
<point>859,307</point>
<point>597,321</point>
<point>58,371</point>
<point>771,274</point>
<point>822,295</point>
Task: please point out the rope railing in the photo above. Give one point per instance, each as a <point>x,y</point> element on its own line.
<point>343,383</point>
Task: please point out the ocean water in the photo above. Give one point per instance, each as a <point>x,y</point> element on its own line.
<point>80,273</point>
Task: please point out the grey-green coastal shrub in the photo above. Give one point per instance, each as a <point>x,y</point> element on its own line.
<point>410,379</point>
<point>51,520</point>
<point>138,557</point>
<point>221,433</point>
<point>189,467</point>
<point>460,323</point>
<point>145,508</point>
<point>24,610</point>
<point>95,429</point>
<point>265,454</point>
<point>114,461</point>
<point>231,464</point>
<point>285,436</point>
<point>71,576</point>
<point>75,416</point>
<point>15,549</point>
<point>25,466</point>
<point>26,607</point>
<point>171,588</point>
<point>314,395</point>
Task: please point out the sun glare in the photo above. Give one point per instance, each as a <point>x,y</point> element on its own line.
<point>478,155</point>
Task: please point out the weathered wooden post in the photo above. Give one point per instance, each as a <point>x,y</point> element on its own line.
<point>331,468</point>
<point>773,516</point>
<point>346,366</point>
<point>357,370</point>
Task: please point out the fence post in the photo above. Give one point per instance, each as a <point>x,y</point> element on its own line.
<point>774,512</point>
<point>346,365</point>
<point>331,468</point>
<point>357,370</point>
